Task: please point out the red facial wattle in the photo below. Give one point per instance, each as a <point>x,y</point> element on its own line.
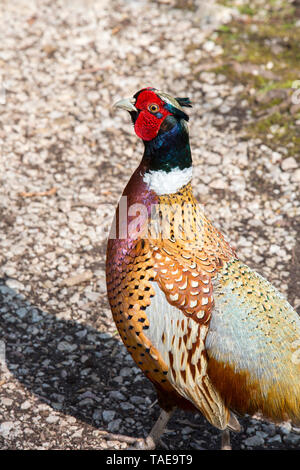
<point>148,123</point>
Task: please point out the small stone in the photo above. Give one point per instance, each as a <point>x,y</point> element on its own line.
<point>21,312</point>
<point>296,176</point>
<point>275,439</point>
<point>4,290</point>
<point>224,108</point>
<point>104,336</point>
<point>65,346</point>
<point>295,108</point>
<point>92,296</point>
<point>71,420</point>
<point>114,426</point>
<point>36,316</point>
<point>126,372</point>
<point>291,438</point>
<point>6,401</point>
<point>52,419</point>
<point>218,184</point>
<point>237,89</point>
<point>208,46</point>
<point>251,429</point>
<point>126,406</point>
<point>97,415</point>
<point>289,164</point>
<point>285,428</point>
<point>86,402</point>
<point>25,405</point>
<point>274,128</point>
<point>261,434</point>
<point>6,427</point>
<point>77,279</point>
<point>118,380</point>
<point>108,415</point>
<point>269,428</point>
<point>74,298</point>
<point>49,49</point>
<point>214,159</point>
<point>254,441</point>
<point>137,400</point>
<point>276,157</point>
<point>14,284</point>
<point>187,430</point>
<point>196,446</point>
<point>9,270</point>
<point>115,395</point>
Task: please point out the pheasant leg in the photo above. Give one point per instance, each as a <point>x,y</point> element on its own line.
<point>225,440</point>
<point>151,441</point>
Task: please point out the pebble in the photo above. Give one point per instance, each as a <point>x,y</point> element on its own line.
<point>26,405</point>
<point>269,428</point>
<point>65,346</point>
<point>275,439</point>
<point>114,426</point>
<point>22,312</point>
<point>6,401</point>
<point>6,427</point>
<point>126,406</point>
<point>218,184</point>
<point>52,419</point>
<point>293,439</point>
<point>137,400</point>
<point>92,296</point>
<point>214,159</point>
<point>116,395</point>
<point>285,428</point>
<point>186,430</point>
<point>77,434</point>
<point>108,415</point>
<point>254,441</point>
<point>97,415</point>
<point>14,284</point>
<point>126,372</point>
<point>289,164</point>
<point>86,402</point>
<point>296,176</point>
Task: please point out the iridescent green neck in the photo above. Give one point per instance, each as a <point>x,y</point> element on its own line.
<point>170,149</point>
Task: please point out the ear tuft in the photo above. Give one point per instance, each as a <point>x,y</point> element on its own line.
<point>184,102</point>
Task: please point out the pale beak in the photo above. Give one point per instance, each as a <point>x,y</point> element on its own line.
<point>127,104</point>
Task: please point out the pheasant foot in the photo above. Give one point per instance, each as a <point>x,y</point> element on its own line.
<point>153,438</point>
<point>225,440</point>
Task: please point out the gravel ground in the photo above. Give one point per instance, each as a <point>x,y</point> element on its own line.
<point>66,380</point>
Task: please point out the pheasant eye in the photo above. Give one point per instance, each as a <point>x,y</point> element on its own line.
<point>153,108</point>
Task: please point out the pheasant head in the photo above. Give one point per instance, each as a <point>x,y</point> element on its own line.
<point>160,121</point>
<point>151,109</point>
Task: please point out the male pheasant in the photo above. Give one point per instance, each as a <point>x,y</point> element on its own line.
<point>211,334</point>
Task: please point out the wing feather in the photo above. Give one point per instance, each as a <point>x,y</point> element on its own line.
<point>253,345</point>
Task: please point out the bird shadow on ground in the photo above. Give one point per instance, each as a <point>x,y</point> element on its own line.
<point>71,366</point>
<point>81,372</point>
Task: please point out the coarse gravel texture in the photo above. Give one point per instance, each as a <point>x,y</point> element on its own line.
<point>66,379</point>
